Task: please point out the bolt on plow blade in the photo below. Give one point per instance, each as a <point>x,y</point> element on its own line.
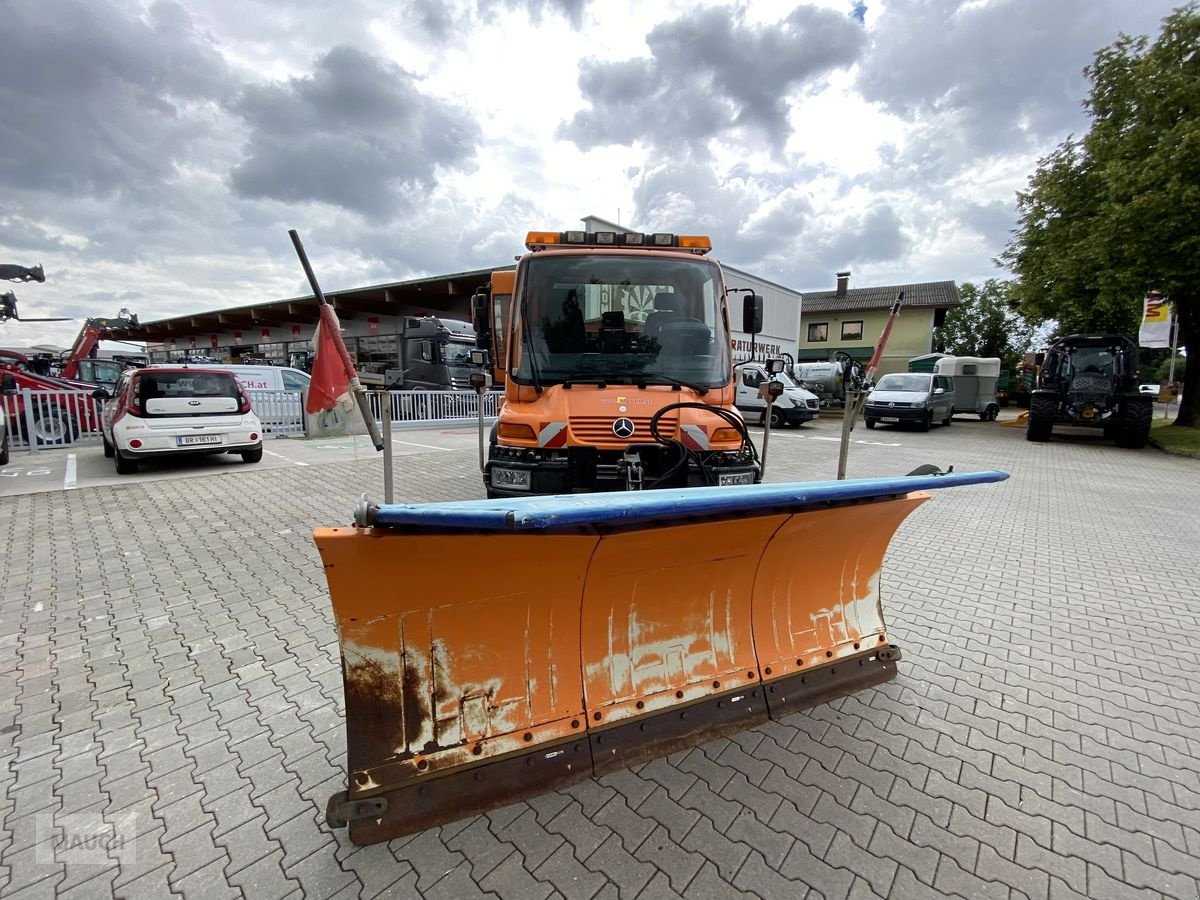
<point>493,650</point>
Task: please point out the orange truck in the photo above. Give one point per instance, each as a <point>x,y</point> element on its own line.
<point>615,354</point>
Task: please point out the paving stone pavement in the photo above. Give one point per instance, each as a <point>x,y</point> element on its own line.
<point>168,665</point>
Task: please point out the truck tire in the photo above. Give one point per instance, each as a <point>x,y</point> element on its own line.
<point>125,465</point>
<point>1134,431</point>
<point>1041,418</point>
<point>870,423</point>
<point>927,422</point>
<point>54,426</point>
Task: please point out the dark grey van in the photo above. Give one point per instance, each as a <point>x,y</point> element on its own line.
<point>914,398</point>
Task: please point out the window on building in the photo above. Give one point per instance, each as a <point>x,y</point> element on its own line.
<point>818,331</point>
<point>852,331</point>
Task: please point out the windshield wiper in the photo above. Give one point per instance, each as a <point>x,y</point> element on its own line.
<point>645,378</point>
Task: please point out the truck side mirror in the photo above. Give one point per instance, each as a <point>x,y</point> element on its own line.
<point>1039,358</point>
<point>100,394</point>
<point>480,314</point>
<point>752,313</point>
<point>8,384</point>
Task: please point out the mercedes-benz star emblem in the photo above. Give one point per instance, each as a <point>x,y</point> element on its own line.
<point>623,428</point>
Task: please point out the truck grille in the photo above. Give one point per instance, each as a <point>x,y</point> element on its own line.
<point>813,404</point>
<point>598,430</point>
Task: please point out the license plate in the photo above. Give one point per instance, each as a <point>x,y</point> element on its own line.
<point>889,419</point>
<point>735,478</point>
<point>192,439</point>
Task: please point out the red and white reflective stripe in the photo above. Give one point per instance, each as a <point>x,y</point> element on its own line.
<point>552,434</point>
<point>694,437</point>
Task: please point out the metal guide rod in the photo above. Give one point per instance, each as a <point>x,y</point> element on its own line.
<point>356,388</point>
<point>856,399</point>
<point>385,401</point>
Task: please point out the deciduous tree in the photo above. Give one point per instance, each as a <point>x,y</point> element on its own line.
<point>1114,214</point>
<point>985,325</point>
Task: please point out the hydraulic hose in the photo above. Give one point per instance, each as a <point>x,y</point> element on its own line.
<point>686,453</point>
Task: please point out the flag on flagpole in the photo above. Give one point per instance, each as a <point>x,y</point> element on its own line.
<point>330,384</point>
<point>1156,322</point>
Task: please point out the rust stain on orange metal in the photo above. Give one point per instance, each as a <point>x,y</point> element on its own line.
<point>666,612</point>
<point>817,593</point>
<point>445,660</point>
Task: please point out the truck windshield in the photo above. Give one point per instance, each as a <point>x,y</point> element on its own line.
<point>457,353</point>
<point>621,318</point>
<point>903,382</point>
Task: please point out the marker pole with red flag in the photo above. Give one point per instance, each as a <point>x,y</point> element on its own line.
<point>857,399</point>
<point>333,374</point>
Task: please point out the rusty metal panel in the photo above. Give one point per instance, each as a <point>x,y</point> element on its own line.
<point>454,650</point>
<point>817,598</point>
<point>666,615</point>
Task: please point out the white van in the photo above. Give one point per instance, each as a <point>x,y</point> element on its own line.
<point>267,378</point>
<point>793,407</point>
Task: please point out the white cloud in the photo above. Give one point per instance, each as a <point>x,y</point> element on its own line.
<point>157,152</point>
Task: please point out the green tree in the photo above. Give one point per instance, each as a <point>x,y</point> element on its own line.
<point>1112,215</point>
<point>985,325</point>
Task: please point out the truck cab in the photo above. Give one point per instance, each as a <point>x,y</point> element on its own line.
<point>435,355</point>
<point>617,363</point>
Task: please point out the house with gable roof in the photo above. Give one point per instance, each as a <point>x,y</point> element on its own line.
<point>852,320</point>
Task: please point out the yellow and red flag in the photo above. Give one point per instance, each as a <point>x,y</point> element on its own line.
<point>1156,322</point>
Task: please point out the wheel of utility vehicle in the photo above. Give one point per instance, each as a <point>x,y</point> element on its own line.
<point>927,422</point>
<point>1134,431</point>
<point>994,411</point>
<point>870,423</point>
<point>777,420</point>
<point>949,420</point>
<point>252,456</point>
<point>108,448</point>
<point>4,450</point>
<point>1040,424</point>
<point>54,426</point>
<point>125,465</point>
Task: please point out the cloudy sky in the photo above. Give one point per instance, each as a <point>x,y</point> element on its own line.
<point>154,154</point>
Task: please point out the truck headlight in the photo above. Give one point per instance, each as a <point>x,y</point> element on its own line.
<point>512,479</point>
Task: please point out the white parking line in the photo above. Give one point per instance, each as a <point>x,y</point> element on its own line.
<point>69,476</point>
<point>425,446</point>
<point>294,462</point>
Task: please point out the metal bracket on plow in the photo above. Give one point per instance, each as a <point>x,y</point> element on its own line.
<point>341,810</point>
<point>802,690</point>
<point>890,654</point>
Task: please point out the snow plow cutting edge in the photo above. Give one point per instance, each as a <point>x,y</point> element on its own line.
<point>493,650</point>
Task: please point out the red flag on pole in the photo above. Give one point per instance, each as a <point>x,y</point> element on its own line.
<point>330,385</point>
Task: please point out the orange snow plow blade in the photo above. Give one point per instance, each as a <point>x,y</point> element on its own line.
<point>493,650</point>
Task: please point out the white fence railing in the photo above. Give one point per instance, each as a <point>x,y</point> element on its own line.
<point>436,406</point>
<point>45,419</point>
<point>281,412</point>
